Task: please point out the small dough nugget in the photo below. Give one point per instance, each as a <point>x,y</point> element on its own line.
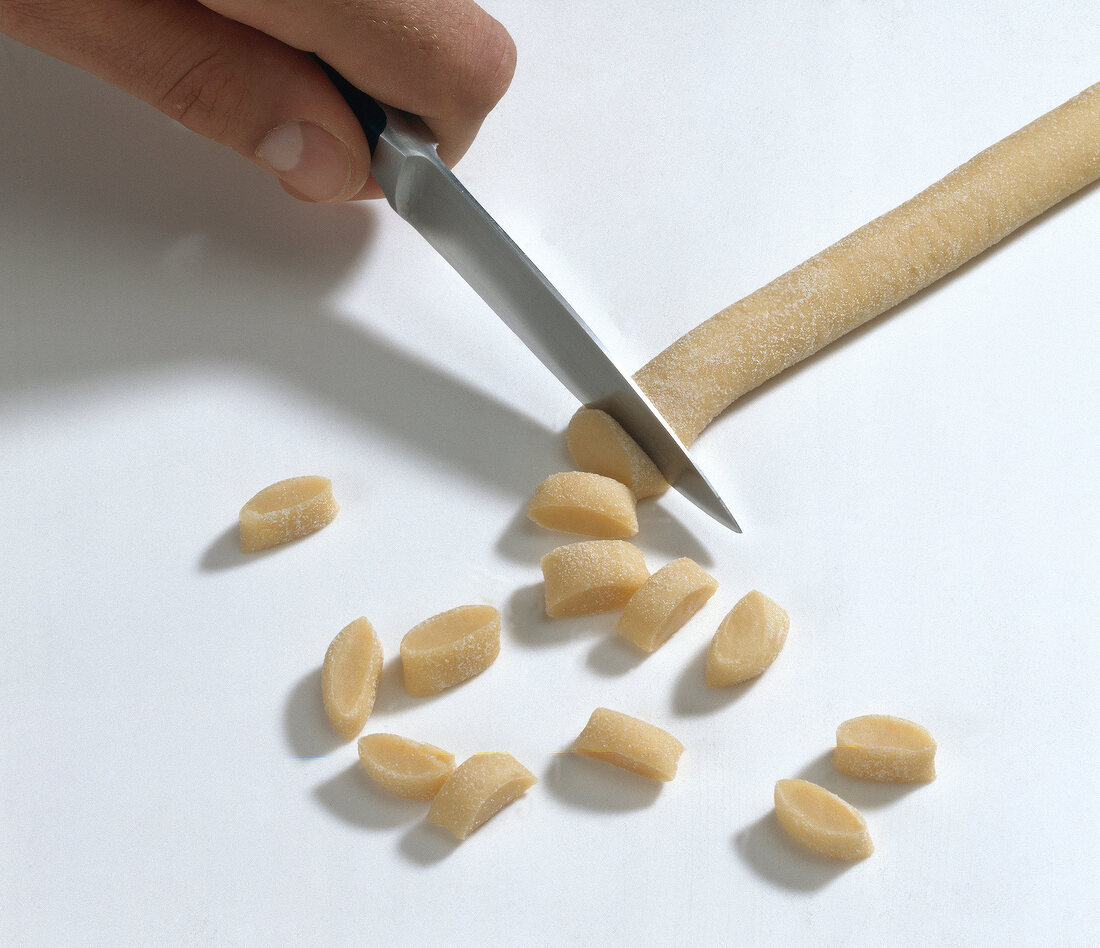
<point>408,768</point>
<point>589,504</point>
<point>633,745</point>
<point>449,648</point>
<point>478,790</point>
<point>599,444</point>
<point>592,576</point>
<point>665,602</point>
<point>884,748</point>
<point>821,821</point>
<point>749,639</point>
<point>349,677</point>
<point>286,511</point>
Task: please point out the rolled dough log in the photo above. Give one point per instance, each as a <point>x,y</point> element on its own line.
<point>875,267</point>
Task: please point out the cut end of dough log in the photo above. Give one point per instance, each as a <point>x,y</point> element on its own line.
<point>821,821</point>
<point>630,744</point>
<point>665,602</point>
<point>582,502</point>
<point>410,769</point>
<point>599,444</point>
<point>886,749</point>
<point>480,788</point>
<point>349,677</point>
<point>285,511</point>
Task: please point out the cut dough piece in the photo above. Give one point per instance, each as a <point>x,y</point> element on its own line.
<point>884,748</point>
<point>599,444</point>
<point>349,677</point>
<point>665,602</point>
<point>633,745</point>
<point>286,511</point>
<point>869,271</point>
<point>749,639</point>
<point>408,768</point>
<point>589,504</point>
<point>479,789</point>
<point>821,821</point>
<point>592,576</point>
<point>449,648</point>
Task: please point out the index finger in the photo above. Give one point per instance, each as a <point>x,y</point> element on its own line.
<point>448,61</point>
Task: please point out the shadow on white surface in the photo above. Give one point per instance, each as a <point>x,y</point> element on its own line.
<point>862,794</point>
<point>524,541</point>
<point>308,731</point>
<point>353,797</point>
<point>777,858</point>
<point>426,844</point>
<point>392,696</point>
<point>225,552</point>
<point>659,531</point>
<point>530,626</point>
<point>692,696</point>
<point>587,784</point>
<point>186,253</point>
<point>613,656</point>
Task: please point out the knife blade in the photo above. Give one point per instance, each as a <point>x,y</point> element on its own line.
<point>424,191</point>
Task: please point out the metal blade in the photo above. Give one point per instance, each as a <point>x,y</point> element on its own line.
<point>424,191</point>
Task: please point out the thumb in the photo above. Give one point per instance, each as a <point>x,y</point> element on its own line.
<point>222,79</point>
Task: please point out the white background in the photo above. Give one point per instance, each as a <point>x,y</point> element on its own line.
<point>175,334</point>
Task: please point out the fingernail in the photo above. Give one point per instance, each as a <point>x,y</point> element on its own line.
<point>308,159</point>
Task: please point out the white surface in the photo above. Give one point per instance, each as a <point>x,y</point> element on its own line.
<point>176,334</point>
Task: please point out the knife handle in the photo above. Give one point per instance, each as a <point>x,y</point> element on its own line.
<point>371,115</point>
<point>396,138</point>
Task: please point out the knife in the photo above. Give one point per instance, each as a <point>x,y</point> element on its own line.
<point>422,189</point>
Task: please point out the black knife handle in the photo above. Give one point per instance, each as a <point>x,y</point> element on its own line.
<point>370,114</point>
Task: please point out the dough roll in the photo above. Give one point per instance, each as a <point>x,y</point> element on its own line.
<point>876,267</point>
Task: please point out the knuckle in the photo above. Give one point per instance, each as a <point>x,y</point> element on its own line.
<point>203,92</point>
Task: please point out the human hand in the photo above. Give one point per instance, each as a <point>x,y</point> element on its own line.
<point>237,71</point>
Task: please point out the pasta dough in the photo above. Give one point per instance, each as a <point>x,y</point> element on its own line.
<point>884,748</point>
<point>821,821</point>
<point>589,504</point>
<point>592,576</point>
<point>599,444</point>
<point>349,677</point>
<point>479,789</point>
<point>449,648</point>
<point>633,745</point>
<point>286,511</point>
<point>749,639</point>
<point>408,768</point>
<point>864,274</point>
<point>664,602</point>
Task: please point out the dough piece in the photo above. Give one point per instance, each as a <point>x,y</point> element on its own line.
<point>349,677</point>
<point>449,648</point>
<point>749,639</point>
<point>479,789</point>
<point>589,504</point>
<point>408,768</point>
<point>665,602</point>
<point>633,745</point>
<point>286,511</point>
<point>884,748</point>
<point>592,576</point>
<point>599,444</point>
<point>821,821</point>
<point>869,271</point>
